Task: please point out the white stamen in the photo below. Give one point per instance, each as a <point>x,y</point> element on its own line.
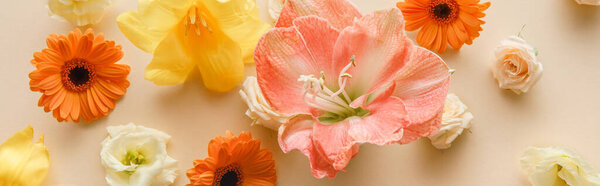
<point>319,96</point>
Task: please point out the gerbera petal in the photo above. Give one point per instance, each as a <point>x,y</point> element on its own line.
<point>427,35</point>
<point>284,54</point>
<point>152,22</point>
<point>340,13</point>
<point>57,99</point>
<point>103,108</point>
<point>437,42</point>
<point>110,55</point>
<point>91,104</point>
<point>170,65</point>
<point>67,105</point>
<point>240,20</point>
<point>49,82</point>
<point>453,38</point>
<point>297,134</point>
<point>76,108</point>
<point>422,84</point>
<point>65,49</point>
<point>52,41</point>
<point>379,46</point>
<point>84,46</point>
<point>102,96</point>
<point>118,71</point>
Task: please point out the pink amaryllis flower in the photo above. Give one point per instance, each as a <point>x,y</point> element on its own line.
<point>347,79</point>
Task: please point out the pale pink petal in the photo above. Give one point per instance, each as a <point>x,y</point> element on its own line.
<point>340,13</point>
<point>283,54</point>
<point>297,134</point>
<point>384,125</point>
<point>422,84</point>
<point>380,47</point>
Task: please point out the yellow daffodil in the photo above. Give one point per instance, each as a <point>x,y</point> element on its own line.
<point>23,163</point>
<point>217,36</point>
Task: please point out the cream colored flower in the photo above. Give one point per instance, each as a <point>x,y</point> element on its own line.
<point>454,120</point>
<point>259,108</point>
<point>588,2</point>
<point>79,12</point>
<point>516,65</point>
<point>137,156</point>
<point>272,10</point>
<point>554,166</point>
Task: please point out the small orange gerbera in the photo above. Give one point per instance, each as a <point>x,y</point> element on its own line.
<point>444,22</point>
<point>78,77</point>
<point>234,161</point>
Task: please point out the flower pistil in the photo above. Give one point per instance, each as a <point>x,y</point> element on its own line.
<point>336,105</point>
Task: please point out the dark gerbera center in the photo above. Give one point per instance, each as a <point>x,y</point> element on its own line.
<point>77,75</point>
<point>443,11</point>
<point>230,175</point>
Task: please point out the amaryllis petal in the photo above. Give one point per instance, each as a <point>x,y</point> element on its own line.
<point>384,125</point>
<point>297,134</point>
<point>340,13</point>
<point>422,84</point>
<point>379,46</point>
<point>284,54</point>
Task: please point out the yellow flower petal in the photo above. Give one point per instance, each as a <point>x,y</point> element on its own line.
<point>22,163</point>
<point>171,63</point>
<point>240,20</point>
<point>221,66</point>
<point>152,22</point>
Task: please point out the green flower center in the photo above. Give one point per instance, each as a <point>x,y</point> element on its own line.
<point>133,158</point>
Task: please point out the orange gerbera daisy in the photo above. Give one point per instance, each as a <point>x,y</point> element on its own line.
<point>234,161</point>
<point>444,22</point>
<point>78,77</point>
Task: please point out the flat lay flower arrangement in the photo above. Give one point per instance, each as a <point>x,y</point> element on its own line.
<point>326,78</point>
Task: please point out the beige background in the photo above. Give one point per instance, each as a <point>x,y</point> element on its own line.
<point>562,109</point>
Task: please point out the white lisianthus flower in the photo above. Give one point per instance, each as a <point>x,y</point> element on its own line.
<point>455,119</point>
<point>516,65</point>
<point>259,108</point>
<point>79,12</point>
<point>137,156</point>
<point>554,166</point>
<point>588,2</point>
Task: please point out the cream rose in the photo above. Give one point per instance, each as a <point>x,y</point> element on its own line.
<point>556,166</point>
<point>79,12</point>
<point>137,156</point>
<point>259,108</point>
<point>516,65</point>
<point>455,119</point>
<point>588,2</point>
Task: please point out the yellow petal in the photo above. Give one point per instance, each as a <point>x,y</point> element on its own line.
<point>171,63</point>
<point>22,163</point>
<point>240,21</point>
<point>221,67</point>
<point>154,19</point>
